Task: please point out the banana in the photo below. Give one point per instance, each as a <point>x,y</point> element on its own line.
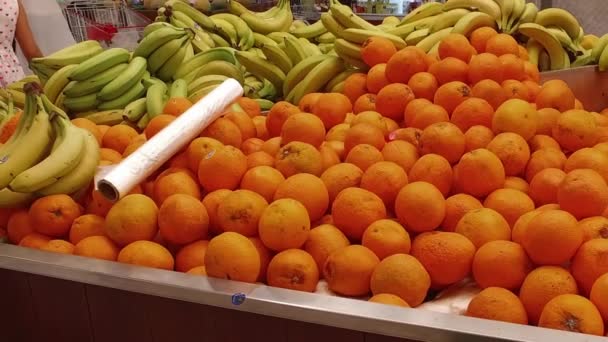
<point>23,123</point>
<point>341,77</point>
<point>258,52</point>
<point>506,8</point>
<point>218,40</point>
<point>489,7</point>
<point>199,94</point>
<point>242,30</point>
<point>310,48</point>
<point>81,103</point>
<point>355,63</point>
<point>135,92</point>
<point>93,84</point>
<point>345,48</point>
<point>99,63</point>
<point>261,68</point>
<point>17,96</point>
<point>326,48</point>
<point>561,18</point>
<point>155,103</point>
<point>227,31</point>
<point>150,81</point>
<point>472,21</point>
<point>132,74</point>
<point>518,9</point>
<point>179,88</point>
<point>267,91</point>
<point>205,81</point>
<point>426,10</point>
<point>279,37</point>
<point>603,62</point>
<point>237,8</point>
<point>416,36</point>
<point>277,56</point>
<point>159,57</point>
<point>431,40</point>
<point>557,55</point>
<point>328,37</point>
<point>280,22</point>
<point>16,85</point>
<point>260,39</point>
<point>82,175</point>
<point>527,16</point>
<point>317,78</point>
<point>155,26</point>
<point>189,51</point>
<point>310,31</point>
<point>582,60</point>
<point>338,88</point>
<point>265,105</point>
<point>202,58</point>
<point>534,49</point>
<point>73,54</point>
<point>345,16</point>
<point>298,24</point>
<point>143,122</point>
<point>220,67</point>
<point>544,63</point>
<point>448,19</point>
<point>107,117</point>
<point>201,19</point>
<point>564,39</point>
<point>168,69</point>
<point>294,49</point>
<point>134,110</point>
<point>10,199</point>
<point>67,152</point>
<point>55,84</point>
<point>31,146</point>
<point>404,30</point>
<point>299,71</point>
<point>359,36</point>
<point>152,42</point>
<point>332,24</point>
<point>599,47</point>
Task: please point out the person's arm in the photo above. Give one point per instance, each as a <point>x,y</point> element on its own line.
<point>25,37</point>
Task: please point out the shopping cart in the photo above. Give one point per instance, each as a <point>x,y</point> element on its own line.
<point>103,20</point>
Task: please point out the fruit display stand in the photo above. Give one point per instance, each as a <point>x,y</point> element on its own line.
<point>69,298</point>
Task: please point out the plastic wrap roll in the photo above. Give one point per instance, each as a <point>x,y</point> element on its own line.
<point>166,143</point>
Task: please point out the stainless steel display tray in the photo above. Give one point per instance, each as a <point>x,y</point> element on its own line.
<point>351,314</point>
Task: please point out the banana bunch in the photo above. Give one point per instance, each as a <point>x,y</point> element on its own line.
<point>46,154</point>
<point>277,19</point>
<point>599,53</point>
<point>45,67</point>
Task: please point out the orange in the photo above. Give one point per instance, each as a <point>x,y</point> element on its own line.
<point>373,118</point>
<point>324,240</point>
<point>385,238</point>
<point>377,78</point>
<point>541,141</point>
<point>401,152</point>
<point>85,226</point>
<point>88,125</point>
<point>589,263</point>
<point>299,157</point>
<point>490,91</point>
<point>222,168</point>
<point>109,155</point>
<point>401,275</point>
<point>598,296</point>
<point>191,255</point>
<point>502,44</point>
<point>517,183</point>
<point>420,207</point>
<point>158,124</point>
<point>293,269</point>
<point>98,247</point>
<point>552,237</point>
<point>250,106</point>
<point>364,156</point>
<point>244,123</point>
<point>198,270</point>
<point>348,270</point>
<point>263,180</point>
<point>434,169</point>
<point>547,119</point>
<point>240,212</point>
<point>18,226</point>
<point>58,246</point>
<point>132,218</point>
<point>377,50</point>
<point>423,85</point>
<point>519,228</point>
<point>413,108</point>
<point>355,86</point>
<point>404,64</point>
<point>479,173</point>
<point>472,112</point>
<point>265,256</point>
<point>497,304</point>
<point>523,53</point>
<point>479,38</point>
<point>365,102</point>
<point>303,127</point>
<point>284,224</point>
<point>308,190</point>
<point>516,116</point>
<point>485,66</point>
<point>147,254</point>
<point>515,89</point>
<point>482,226</point>
<point>332,108</point>
<point>338,132</point>
<point>555,94</point>
<point>509,203</point>
<point>277,115</point>
<point>451,94</point>
<point>224,131</point>
<point>182,182</point>
<point>543,284</point>
<point>588,158</point>
<point>583,193</point>
<point>512,67</point>
<point>545,184</point>
<point>177,106</point>
<point>308,101</point>
<point>575,129</point>
<point>427,116</point>
<point>501,263</point>
<point>450,69</point>
<point>603,147</point>
<point>384,179</point>
<point>388,299</point>
<point>259,158</point>
<point>444,139</point>
<point>34,240</point>
<point>260,127</point>
<point>477,137</point>
<point>595,227</point>
<point>455,45</point>
<point>232,256</point>
<point>198,149</point>
<point>211,202</point>
<point>446,256</point>
<point>182,219</point>
<point>533,87</point>
<point>118,138</point>
<point>392,100</point>
<point>53,215</point>
<point>456,206</point>
<point>544,158</point>
<point>354,209</point>
<point>574,313</point>
<point>339,177</point>
<point>179,160</point>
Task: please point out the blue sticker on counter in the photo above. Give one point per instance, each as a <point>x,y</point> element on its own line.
<point>238,298</point>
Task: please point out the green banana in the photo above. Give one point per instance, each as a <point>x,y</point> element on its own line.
<point>561,18</point>
<point>341,77</point>
<point>201,19</point>
<point>317,78</point>
<point>155,97</point>
<point>179,88</point>
<point>150,43</point>
<point>426,10</point>
<point>135,92</point>
<point>310,31</point>
<point>345,48</point>
<point>359,36</point>
<point>280,22</point>
<point>261,68</point>
<point>294,49</point>
<point>429,42</point>
<point>81,103</point>
<point>448,19</point>
<point>345,16</point>
<point>220,67</point>
<point>168,69</point>
<point>278,57</point>
<point>10,199</point>
<point>95,83</point>
<point>205,81</point>
<point>242,30</point>
<point>265,104</point>
<point>599,47</point>
<point>58,81</point>
<point>132,75</point>
<point>73,54</point>
<point>327,38</point>
<point>99,63</point>
<point>260,39</point>
<point>332,24</point>
<point>135,110</point>
<point>202,58</point>
<point>218,40</point>
<point>300,70</point>
<point>107,117</point>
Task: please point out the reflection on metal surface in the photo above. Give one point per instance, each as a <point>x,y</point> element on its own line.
<point>588,84</point>
<point>260,299</point>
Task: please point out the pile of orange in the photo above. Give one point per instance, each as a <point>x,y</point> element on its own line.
<point>428,169</point>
